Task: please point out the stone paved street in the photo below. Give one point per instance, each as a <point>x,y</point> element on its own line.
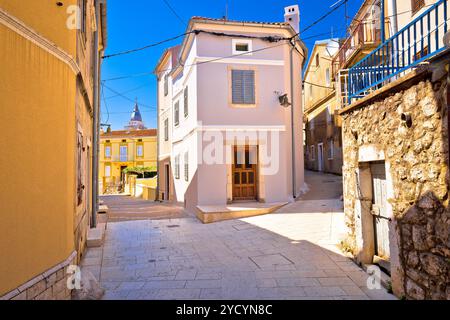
<point>290,254</point>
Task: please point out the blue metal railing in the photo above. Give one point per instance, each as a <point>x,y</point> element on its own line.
<point>416,42</point>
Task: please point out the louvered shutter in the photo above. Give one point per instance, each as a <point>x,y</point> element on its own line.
<point>243,87</point>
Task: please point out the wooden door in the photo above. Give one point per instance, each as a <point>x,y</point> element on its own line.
<point>379,212</point>
<point>244,173</point>
<point>320,157</point>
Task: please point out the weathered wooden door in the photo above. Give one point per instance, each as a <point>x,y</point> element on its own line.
<point>244,173</point>
<point>379,212</point>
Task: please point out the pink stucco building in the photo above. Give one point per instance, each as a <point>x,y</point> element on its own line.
<point>230,113</point>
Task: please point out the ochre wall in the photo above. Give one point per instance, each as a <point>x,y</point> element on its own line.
<point>37,117</point>
<point>35,14</point>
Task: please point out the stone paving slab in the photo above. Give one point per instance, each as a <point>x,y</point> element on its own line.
<point>290,254</point>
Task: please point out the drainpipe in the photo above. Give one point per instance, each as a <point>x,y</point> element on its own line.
<point>383,24</point>
<point>294,173</point>
<point>393,14</point>
<point>96,122</point>
<point>157,140</point>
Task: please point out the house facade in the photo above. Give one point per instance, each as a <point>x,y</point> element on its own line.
<point>396,142</point>
<point>50,62</point>
<point>323,144</point>
<point>230,110</point>
<point>136,146</point>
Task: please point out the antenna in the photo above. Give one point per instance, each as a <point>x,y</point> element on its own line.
<point>226,10</point>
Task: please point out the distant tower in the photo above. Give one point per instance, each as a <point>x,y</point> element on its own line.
<point>292,16</point>
<point>136,122</point>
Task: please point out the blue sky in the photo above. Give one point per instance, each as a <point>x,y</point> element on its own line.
<point>133,24</point>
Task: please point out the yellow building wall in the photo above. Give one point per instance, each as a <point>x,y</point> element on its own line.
<point>45,17</point>
<point>148,160</point>
<point>38,160</point>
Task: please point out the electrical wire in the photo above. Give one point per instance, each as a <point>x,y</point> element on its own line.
<point>147,46</point>
<point>104,102</point>
<point>174,12</point>
<point>193,64</point>
<point>128,91</point>
<point>322,17</point>
<point>126,98</point>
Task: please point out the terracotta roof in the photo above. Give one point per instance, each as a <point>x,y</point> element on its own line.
<point>238,21</point>
<point>129,133</point>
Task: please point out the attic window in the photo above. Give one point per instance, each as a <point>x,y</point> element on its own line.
<point>241,46</point>
<point>124,140</point>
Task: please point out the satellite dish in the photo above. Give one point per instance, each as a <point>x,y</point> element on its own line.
<point>447,39</point>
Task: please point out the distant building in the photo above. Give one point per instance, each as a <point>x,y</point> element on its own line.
<point>48,89</point>
<point>323,146</point>
<point>130,148</point>
<point>242,98</point>
<point>136,122</point>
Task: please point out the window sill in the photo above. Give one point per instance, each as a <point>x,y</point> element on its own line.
<point>243,106</point>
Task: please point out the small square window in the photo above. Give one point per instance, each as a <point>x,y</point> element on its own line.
<point>242,46</point>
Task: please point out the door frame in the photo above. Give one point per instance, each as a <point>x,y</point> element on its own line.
<point>167,181</point>
<point>320,161</point>
<point>254,169</point>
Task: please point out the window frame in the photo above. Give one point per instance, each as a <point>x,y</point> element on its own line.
<point>140,146</point>
<point>236,42</point>
<point>186,166</point>
<point>177,167</point>
<point>176,114</point>
<point>312,153</point>
<point>106,173</point>
<point>328,77</point>
<point>255,88</point>
<point>186,101</point>
<point>330,146</point>
<point>107,147</point>
<point>166,129</point>
<point>166,84</point>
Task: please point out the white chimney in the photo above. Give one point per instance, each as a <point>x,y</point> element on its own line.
<point>292,16</point>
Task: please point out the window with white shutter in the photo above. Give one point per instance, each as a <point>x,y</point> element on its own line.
<point>243,86</point>
<point>166,130</point>
<point>186,102</point>
<point>177,167</point>
<point>186,166</point>
<point>177,113</point>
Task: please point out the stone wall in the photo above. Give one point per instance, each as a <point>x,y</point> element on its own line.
<point>410,128</point>
<point>51,285</point>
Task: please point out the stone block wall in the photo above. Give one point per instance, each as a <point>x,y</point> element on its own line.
<point>410,128</point>
<point>51,285</point>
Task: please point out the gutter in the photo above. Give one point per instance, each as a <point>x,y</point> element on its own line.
<point>294,173</point>
<point>96,123</point>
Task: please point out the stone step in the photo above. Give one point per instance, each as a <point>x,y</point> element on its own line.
<point>96,236</point>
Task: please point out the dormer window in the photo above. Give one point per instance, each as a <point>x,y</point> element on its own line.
<point>242,46</point>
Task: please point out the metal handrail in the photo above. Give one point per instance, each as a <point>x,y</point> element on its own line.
<point>416,42</point>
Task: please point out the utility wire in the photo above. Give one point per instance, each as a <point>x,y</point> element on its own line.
<point>323,17</point>
<point>193,64</point>
<point>125,92</point>
<point>174,12</point>
<point>104,102</point>
<point>318,85</point>
<point>126,98</point>
<point>147,46</point>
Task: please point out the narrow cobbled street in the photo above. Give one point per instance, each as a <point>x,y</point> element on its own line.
<point>290,254</point>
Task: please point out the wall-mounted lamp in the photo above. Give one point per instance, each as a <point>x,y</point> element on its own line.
<point>283,99</point>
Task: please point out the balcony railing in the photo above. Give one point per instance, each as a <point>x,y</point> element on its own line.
<point>365,34</point>
<point>416,42</point>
